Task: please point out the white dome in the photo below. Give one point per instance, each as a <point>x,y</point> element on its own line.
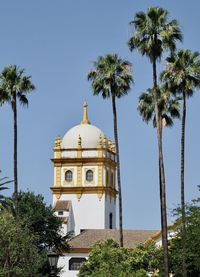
<point>85,133</point>
<point>89,136</point>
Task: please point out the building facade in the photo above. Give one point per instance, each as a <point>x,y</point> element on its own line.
<point>84,193</point>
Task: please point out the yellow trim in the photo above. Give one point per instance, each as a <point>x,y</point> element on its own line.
<point>158,234</point>
<point>100,175</point>
<point>85,115</point>
<point>58,176</point>
<point>79,153</point>
<point>78,250</point>
<point>84,160</point>
<point>79,176</point>
<point>85,190</point>
<point>64,181</point>
<point>87,182</point>
<point>57,147</point>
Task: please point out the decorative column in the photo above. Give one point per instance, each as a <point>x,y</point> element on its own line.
<point>57,155</point>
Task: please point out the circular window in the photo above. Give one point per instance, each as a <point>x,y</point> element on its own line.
<point>68,176</point>
<point>89,176</point>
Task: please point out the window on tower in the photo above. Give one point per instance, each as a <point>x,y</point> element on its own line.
<point>89,176</point>
<point>68,176</point>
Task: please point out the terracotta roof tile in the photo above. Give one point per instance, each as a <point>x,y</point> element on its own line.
<point>62,205</point>
<point>131,237</point>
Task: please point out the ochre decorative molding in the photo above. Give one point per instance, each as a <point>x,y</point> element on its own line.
<point>57,147</point>
<point>79,176</point>
<point>58,196</point>
<point>100,175</point>
<point>78,196</point>
<point>100,196</point>
<point>84,160</point>
<point>58,176</point>
<point>78,250</point>
<point>85,190</point>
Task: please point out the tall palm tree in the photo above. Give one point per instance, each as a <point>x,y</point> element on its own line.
<point>3,97</point>
<point>111,76</point>
<point>168,106</point>
<point>154,34</point>
<point>15,85</point>
<point>182,73</point>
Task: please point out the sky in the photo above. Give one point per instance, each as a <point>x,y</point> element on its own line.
<point>56,43</point>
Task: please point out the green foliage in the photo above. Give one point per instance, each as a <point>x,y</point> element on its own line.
<point>154,33</point>
<point>5,202</point>
<point>168,106</point>
<point>111,76</point>
<point>108,259</point>
<point>192,241</point>
<point>19,256</point>
<point>14,82</point>
<point>182,72</point>
<point>40,219</point>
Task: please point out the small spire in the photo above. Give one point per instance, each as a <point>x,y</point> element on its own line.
<point>85,119</point>
<point>79,141</point>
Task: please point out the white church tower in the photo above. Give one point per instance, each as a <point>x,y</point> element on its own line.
<point>84,192</point>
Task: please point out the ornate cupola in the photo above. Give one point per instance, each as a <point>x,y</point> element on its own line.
<point>84,176</point>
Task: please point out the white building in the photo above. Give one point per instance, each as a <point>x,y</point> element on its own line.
<point>84,192</point>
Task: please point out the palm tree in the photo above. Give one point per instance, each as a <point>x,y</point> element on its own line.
<point>168,106</point>
<point>15,85</point>
<point>182,73</point>
<point>111,76</point>
<point>154,34</point>
<point>4,202</point>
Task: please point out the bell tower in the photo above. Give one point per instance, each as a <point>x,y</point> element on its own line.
<point>84,193</point>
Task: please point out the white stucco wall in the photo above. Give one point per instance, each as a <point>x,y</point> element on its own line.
<point>88,212</point>
<point>63,262</point>
<point>110,207</point>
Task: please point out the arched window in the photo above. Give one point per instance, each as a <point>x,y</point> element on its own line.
<point>89,176</point>
<point>75,263</point>
<point>110,220</point>
<point>68,176</point>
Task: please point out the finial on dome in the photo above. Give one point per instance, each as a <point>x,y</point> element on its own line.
<point>79,141</point>
<point>85,119</point>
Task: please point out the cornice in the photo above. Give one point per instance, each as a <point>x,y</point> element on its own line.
<point>83,160</point>
<point>85,190</point>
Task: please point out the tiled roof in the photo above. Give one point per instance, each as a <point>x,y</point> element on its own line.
<point>131,237</point>
<point>62,205</point>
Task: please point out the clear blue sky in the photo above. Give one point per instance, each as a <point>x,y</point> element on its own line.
<point>56,42</point>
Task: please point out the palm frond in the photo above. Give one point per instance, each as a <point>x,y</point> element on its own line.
<point>154,33</point>
<point>110,75</point>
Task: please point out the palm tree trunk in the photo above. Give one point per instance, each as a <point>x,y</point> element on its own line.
<point>184,270</point>
<point>118,169</point>
<point>161,177</point>
<point>15,150</point>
